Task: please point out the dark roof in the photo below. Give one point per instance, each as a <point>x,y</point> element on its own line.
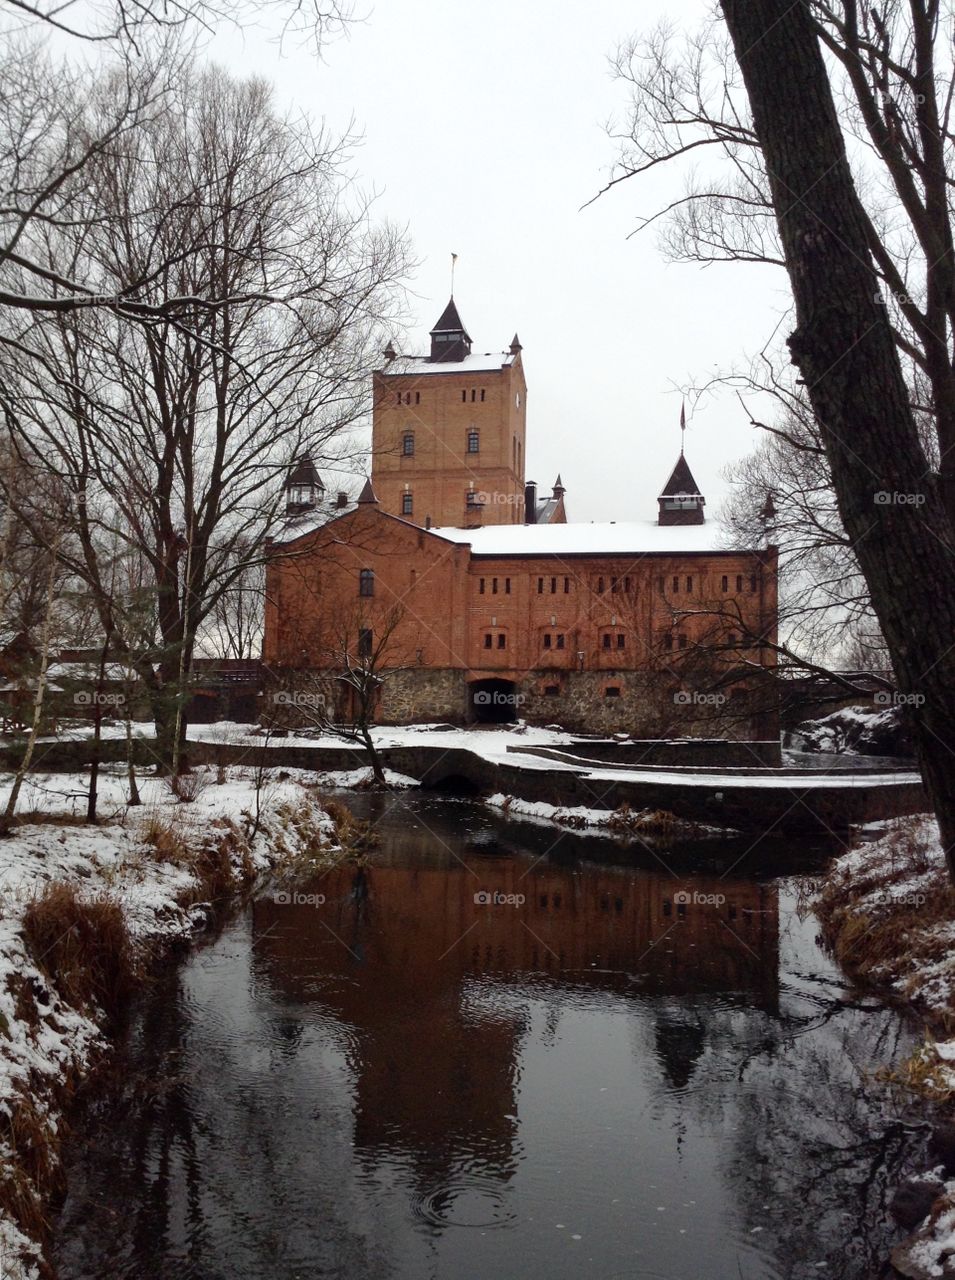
<point>303,472</point>
<point>450,321</point>
<point>367,494</point>
<point>680,481</point>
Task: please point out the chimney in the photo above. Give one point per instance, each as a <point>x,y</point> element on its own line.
<point>530,502</point>
<point>341,500</point>
<point>427,522</point>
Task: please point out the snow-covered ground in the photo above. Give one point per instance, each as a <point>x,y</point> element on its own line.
<point>59,1042</point>
<point>641,823</point>
<point>890,902</point>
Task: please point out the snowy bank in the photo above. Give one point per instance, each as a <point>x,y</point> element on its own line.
<point>152,876</point>
<point>624,821</point>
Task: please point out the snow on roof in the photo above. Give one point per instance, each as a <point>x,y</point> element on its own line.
<point>631,537</point>
<point>476,363</point>
<point>288,528</point>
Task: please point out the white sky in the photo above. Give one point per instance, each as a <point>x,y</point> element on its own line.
<point>484,131</point>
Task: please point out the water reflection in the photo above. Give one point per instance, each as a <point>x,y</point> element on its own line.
<point>631,1072</point>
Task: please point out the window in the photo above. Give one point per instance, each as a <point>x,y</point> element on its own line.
<point>621,641</point>
<point>669,643</point>
<point>752,583</point>
<point>488,640</point>
<point>676,583</point>
<point>553,586</point>
<point>494,586</point>
<point>614,585</point>
<point>681,642</point>
<point>551,690</point>
<point>560,642</point>
<point>540,586</point>
<point>366,582</point>
<point>408,398</point>
<point>600,586</point>
<point>507,586</point>
<point>473,395</point>
<point>482,393</point>
<point>364,643</point>
<point>612,691</point>
<point>399,398</point>
<point>417,397</point>
<point>473,499</point>
<point>627,585</point>
<point>567,586</point>
<point>464,395</point>
<point>739,582</point>
<point>481,587</point>
<point>474,441</point>
<point>548,639</point>
<point>502,641</point>
<point>606,639</point>
<point>407,444</point>
<point>689,583</point>
<point>407,504</point>
<point>725,583</point>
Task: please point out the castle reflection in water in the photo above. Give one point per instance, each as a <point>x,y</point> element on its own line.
<point>431,980</point>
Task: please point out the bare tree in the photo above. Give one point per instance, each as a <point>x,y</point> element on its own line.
<point>846,350</point>
<point>352,656</point>
<point>175,435</point>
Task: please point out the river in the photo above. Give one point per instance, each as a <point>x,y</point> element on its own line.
<point>500,1050</point>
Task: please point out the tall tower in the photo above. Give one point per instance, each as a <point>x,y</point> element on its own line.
<point>448,431</point>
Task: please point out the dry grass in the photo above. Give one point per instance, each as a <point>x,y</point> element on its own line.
<point>187,787</point>
<point>83,946</point>
<point>889,941</point>
<point>354,835</point>
<point>163,833</point>
<point>924,1073</point>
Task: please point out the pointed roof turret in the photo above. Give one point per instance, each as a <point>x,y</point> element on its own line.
<point>516,345</point>
<point>304,490</point>
<point>449,338</point>
<point>367,495</point>
<point>559,489</point>
<point>681,501</point>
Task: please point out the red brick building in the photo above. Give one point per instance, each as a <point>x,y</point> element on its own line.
<point>480,601</point>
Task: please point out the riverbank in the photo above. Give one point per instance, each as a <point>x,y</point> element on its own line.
<point>888,913</point>
<point>86,915</point>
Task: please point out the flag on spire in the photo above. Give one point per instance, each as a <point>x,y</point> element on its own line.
<point>682,424</point>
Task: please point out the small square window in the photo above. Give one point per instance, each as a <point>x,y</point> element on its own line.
<point>612,691</point>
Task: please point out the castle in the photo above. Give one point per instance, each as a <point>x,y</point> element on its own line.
<point>472,598</point>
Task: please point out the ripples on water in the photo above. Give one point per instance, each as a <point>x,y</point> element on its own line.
<point>606,1080</point>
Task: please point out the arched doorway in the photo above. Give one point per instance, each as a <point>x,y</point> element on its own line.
<point>494,701</point>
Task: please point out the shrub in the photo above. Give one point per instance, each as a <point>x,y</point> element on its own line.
<point>82,945</point>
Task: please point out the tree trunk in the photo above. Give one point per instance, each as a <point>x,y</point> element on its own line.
<point>889,500</point>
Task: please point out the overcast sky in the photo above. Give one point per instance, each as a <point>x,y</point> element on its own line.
<point>484,131</point>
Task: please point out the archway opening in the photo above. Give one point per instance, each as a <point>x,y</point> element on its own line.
<point>494,701</point>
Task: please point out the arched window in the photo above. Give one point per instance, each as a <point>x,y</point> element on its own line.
<point>366,582</point>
